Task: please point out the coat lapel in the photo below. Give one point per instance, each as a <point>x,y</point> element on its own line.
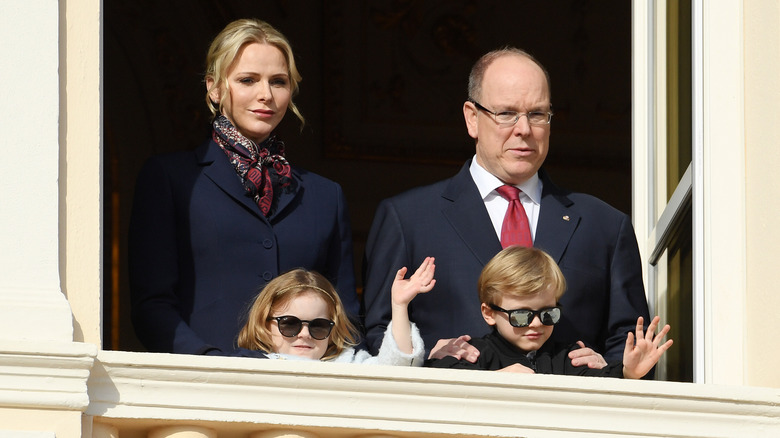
<point>218,169</point>
<point>287,196</point>
<point>557,221</point>
<point>466,212</point>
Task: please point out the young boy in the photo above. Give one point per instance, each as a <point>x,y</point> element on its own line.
<point>519,290</point>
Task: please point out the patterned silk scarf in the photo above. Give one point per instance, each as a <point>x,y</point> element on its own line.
<point>260,167</point>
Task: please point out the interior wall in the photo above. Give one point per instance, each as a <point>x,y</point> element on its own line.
<point>369,69</point>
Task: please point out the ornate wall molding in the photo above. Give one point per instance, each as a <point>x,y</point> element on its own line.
<point>45,375</point>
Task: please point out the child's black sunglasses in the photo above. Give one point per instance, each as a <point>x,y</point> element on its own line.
<point>524,317</point>
<point>290,326</point>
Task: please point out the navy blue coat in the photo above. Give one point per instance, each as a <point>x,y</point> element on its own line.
<point>593,243</point>
<point>200,249</point>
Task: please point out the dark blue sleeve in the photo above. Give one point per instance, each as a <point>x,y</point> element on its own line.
<point>627,292</point>
<point>153,267</point>
<point>385,250</point>
<point>341,261</point>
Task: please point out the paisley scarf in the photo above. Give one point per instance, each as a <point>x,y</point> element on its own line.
<point>260,167</point>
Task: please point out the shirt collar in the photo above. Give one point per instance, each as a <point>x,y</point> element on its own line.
<point>487,182</point>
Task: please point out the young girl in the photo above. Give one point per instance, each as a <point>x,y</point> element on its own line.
<point>299,315</point>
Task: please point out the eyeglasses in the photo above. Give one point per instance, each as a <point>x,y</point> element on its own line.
<point>524,317</point>
<point>509,118</point>
<point>290,326</point>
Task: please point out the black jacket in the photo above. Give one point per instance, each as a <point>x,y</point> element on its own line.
<point>497,353</point>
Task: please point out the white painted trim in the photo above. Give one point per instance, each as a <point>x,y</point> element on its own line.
<point>642,129</point>
<point>670,218</point>
<point>700,333</point>
<point>722,193</point>
<point>32,305</point>
<point>185,389</point>
<point>45,375</point>
<point>81,155</point>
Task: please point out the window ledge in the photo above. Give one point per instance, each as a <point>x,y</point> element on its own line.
<point>186,389</point>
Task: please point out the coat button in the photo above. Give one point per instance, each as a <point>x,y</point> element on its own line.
<point>268,243</point>
<point>267,276</point>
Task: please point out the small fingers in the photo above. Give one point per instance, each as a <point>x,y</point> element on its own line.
<point>665,346</point>
<point>580,352</point>
<point>428,287</point>
<point>652,327</point>
<point>425,272</point>
<point>640,328</point>
<point>399,275</point>
<point>423,266</point>
<point>630,341</point>
<point>660,336</point>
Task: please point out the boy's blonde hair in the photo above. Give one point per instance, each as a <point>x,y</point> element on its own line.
<point>223,53</point>
<point>256,333</point>
<point>519,271</point>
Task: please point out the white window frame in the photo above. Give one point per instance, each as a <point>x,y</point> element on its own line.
<point>714,182</point>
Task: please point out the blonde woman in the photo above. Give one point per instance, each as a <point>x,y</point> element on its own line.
<point>210,224</point>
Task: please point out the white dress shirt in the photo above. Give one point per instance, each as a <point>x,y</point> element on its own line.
<point>496,205</point>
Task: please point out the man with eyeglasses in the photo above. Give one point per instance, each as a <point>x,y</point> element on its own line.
<point>459,221</point>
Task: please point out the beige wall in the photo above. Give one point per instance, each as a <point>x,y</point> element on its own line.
<point>54,387</point>
<point>80,165</point>
<point>59,424</point>
<point>762,150</point>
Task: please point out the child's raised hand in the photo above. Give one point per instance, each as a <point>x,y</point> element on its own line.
<point>420,282</point>
<point>640,357</point>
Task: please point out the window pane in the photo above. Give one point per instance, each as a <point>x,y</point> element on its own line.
<point>675,303</point>
<point>678,92</point>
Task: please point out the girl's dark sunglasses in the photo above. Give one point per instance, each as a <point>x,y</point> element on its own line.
<point>524,317</point>
<point>290,326</point>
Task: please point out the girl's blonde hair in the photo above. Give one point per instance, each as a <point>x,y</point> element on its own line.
<point>256,333</point>
<point>223,53</point>
<point>519,271</point>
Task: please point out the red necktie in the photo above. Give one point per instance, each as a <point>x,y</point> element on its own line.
<point>515,230</point>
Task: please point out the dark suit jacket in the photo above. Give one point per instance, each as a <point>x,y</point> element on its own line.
<point>200,249</point>
<point>593,243</point>
<point>496,353</point>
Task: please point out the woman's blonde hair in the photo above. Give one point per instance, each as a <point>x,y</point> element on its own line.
<point>223,53</point>
<point>256,333</point>
<point>519,271</point>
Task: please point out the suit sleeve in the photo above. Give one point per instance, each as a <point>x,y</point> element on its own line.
<point>153,267</point>
<point>153,257</point>
<point>627,292</point>
<point>341,261</point>
<point>385,254</point>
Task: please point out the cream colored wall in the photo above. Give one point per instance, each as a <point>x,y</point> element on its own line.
<point>52,244</point>
<point>59,424</point>
<point>80,165</point>
<point>46,98</point>
<point>762,149</point>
